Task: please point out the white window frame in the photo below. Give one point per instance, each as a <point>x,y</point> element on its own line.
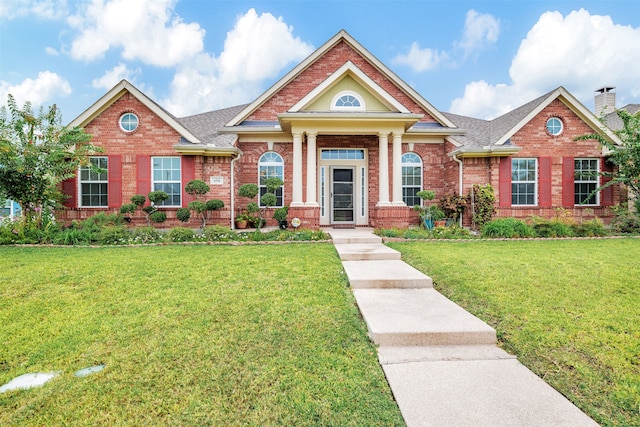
<point>124,127</point>
<point>267,164</point>
<point>525,181</point>
<point>168,180</point>
<point>595,181</point>
<point>411,165</point>
<point>357,97</point>
<point>94,178</point>
<point>549,126</point>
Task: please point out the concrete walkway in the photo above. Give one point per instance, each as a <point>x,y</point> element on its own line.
<point>441,362</point>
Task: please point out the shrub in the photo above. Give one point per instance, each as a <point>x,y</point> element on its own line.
<point>626,222</point>
<point>181,234</point>
<point>214,205</point>
<point>507,228</point>
<point>158,216</point>
<point>72,236</point>
<point>96,222</point>
<point>218,233</point>
<point>114,235</point>
<point>557,227</point>
<point>145,235</point>
<point>484,204</point>
<point>591,228</point>
<point>183,214</point>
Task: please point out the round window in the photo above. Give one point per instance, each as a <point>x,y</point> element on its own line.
<point>128,122</point>
<point>554,126</point>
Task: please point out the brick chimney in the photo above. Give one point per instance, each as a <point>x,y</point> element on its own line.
<point>605,100</point>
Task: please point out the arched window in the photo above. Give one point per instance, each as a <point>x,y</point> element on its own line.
<point>411,178</point>
<point>270,165</point>
<point>349,101</point>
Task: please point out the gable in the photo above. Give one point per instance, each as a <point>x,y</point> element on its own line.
<point>346,85</point>
<point>321,66</point>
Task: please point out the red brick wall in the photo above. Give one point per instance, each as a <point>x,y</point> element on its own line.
<point>153,137</point>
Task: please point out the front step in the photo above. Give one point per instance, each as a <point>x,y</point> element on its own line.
<point>385,274</point>
<point>344,237</point>
<point>366,252</point>
<point>419,317</point>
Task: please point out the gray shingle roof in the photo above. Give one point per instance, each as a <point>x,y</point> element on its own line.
<point>614,122</point>
<point>205,126</point>
<point>482,133</point>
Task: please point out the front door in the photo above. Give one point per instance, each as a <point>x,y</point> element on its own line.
<point>342,196</point>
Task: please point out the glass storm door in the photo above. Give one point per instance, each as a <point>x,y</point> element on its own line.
<point>342,197</point>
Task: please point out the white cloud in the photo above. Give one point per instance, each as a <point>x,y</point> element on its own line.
<point>581,52</point>
<point>480,30</point>
<point>113,76</point>
<point>51,51</point>
<point>44,89</point>
<point>258,48</point>
<point>145,30</point>
<point>420,59</point>
<point>45,9</point>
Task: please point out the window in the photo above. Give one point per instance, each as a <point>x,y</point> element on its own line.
<point>348,101</point>
<point>523,181</point>
<point>585,174</point>
<point>411,178</point>
<point>93,185</point>
<point>345,154</point>
<point>165,172</point>
<point>554,126</point>
<point>270,165</point>
<point>128,122</point>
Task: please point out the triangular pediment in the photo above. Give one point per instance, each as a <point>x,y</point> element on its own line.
<point>349,80</point>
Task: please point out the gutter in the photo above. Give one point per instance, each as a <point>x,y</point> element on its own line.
<point>231,183</point>
<point>457,160</point>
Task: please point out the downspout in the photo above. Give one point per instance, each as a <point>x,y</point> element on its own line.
<point>457,160</point>
<point>233,199</point>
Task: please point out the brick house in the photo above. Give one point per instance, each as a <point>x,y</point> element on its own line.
<point>352,142</point>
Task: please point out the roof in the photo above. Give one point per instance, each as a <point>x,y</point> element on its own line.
<point>205,126</point>
<point>116,93</point>
<point>614,122</point>
<point>341,36</point>
<point>493,136</point>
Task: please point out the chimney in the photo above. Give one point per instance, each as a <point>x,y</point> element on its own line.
<point>605,98</point>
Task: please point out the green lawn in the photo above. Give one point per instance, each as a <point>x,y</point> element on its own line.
<point>190,335</point>
<point>570,310</point>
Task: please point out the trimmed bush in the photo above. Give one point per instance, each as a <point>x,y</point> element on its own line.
<point>181,234</point>
<point>158,216</point>
<point>145,235</point>
<point>507,228</point>
<point>218,233</point>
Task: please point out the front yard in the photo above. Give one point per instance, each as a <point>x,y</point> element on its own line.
<point>570,310</point>
<point>189,335</point>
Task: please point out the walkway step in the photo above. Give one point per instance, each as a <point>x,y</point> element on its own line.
<point>479,393</point>
<point>389,355</point>
<point>366,252</point>
<point>348,236</point>
<point>385,274</point>
<point>419,317</point>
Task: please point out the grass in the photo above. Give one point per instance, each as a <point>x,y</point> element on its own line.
<point>570,311</point>
<point>190,335</point>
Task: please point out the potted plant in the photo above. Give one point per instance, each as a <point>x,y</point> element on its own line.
<point>242,220</point>
<point>280,215</point>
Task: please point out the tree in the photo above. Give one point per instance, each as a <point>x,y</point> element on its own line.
<point>36,154</point>
<point>625,157</point>
<point>151,212</point>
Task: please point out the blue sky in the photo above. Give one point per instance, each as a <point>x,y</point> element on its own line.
<point>478,58</point>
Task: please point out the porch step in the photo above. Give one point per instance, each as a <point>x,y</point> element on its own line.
<point>343,237</point>
<point>385,274</point>
<point>366,252</point>
<point>419,317</point>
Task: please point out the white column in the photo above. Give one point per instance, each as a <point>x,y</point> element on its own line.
<point>297,170</point>
<point>397,170</point>
<point>312,179</point>
<point>383,170</point>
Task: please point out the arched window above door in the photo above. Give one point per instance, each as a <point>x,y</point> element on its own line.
<point>347,101</point>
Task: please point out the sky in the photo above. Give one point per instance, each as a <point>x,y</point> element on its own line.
<point>475,58</point>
